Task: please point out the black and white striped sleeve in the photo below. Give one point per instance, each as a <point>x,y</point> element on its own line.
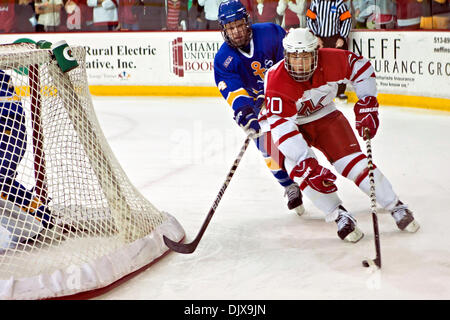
<point>311,18</point>
<point>345,20</point>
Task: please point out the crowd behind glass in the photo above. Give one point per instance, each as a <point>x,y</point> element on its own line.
<point>158,15</point>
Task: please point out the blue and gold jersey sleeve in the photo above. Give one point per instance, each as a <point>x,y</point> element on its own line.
<point>229,82</point>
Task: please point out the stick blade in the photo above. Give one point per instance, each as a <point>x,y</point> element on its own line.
<point>369,263</point>
<point>179,247</point>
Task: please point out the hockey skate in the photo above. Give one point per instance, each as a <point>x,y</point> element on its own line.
<point>295,201</point>
<point>347,229</point>
<point>404,218</point>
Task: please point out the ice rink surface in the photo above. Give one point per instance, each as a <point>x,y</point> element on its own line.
<point>178,151</point>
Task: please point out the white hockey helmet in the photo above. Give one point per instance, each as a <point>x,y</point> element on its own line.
<point>296,43</point>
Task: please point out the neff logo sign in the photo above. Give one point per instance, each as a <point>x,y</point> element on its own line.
<point>193,56</point>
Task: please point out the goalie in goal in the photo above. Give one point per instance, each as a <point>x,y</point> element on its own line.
<point>22,215</point>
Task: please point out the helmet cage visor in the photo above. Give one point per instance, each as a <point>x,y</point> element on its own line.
<point>237,33</point>
<point>301,65</point>
<point>300,53</point>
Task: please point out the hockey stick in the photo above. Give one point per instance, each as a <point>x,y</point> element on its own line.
<point>190,247</point>
<point>373,205</point>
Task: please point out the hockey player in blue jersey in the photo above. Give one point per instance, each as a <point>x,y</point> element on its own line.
<point>239,68</point>
<point>22,215</point>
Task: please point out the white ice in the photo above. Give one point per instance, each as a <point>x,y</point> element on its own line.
<point>178,151</point>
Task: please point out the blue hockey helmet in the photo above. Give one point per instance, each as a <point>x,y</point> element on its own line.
<point>239,35</point>
<point>231,10</point>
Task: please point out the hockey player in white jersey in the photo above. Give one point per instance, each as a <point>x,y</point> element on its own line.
<point>300,112</point>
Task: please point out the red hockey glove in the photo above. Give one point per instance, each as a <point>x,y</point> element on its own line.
<point>366,114</point>
<point>316,176</point>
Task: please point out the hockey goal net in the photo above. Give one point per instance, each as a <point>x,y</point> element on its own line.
<point>70,219</point>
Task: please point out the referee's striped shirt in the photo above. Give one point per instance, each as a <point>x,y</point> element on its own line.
<point>327,18</point>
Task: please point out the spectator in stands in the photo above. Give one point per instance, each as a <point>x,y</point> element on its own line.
<point>292,12</point>
<point>25,21</point>
<point>408,14</point>
<point>175,15</point>
<point>128,18</point>
<point>330,21</point>
<point>150,14</point>
<point>374,14</point>
<point>87,15</point>
<point>196,16</point>
<point>363,10</point>
<point>75,10</point>
<point>266,11</point>
<point>49,12</point>
<point>384,16</point>
<point>211,11</point>
<point>6,16</point>
<point>105,14</point>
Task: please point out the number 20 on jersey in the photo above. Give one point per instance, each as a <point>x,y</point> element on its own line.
<point>274,104</point>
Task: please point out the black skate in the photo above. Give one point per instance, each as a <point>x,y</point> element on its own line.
<point>347,229</point>
<point>295,201</point>
<point>48,223</point>
<point>404,218</point>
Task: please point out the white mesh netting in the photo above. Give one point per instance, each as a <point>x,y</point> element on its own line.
<point>70,220</point>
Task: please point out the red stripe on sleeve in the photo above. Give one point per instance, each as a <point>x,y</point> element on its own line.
<point>287,136</point>
<point>277,123</point>
<point>363,175</point>
<point>361,71</point>
<point>351,164</point>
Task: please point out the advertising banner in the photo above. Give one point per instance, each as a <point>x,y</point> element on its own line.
<point>142,58</point>
<point>407,63</point>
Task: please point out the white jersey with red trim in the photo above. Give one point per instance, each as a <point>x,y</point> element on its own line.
<point>293,108</point>
<point>311,100</point>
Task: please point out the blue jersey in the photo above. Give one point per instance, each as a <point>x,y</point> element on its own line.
<point>240,75</point>
<point>13,144</point>
<point>13,134</point>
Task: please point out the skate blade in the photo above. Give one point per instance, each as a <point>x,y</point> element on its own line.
<point>369,263</point>
<point>412,227</point>
<point>51,234</point>
<point>300,210</point>
<point>354,236</point>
